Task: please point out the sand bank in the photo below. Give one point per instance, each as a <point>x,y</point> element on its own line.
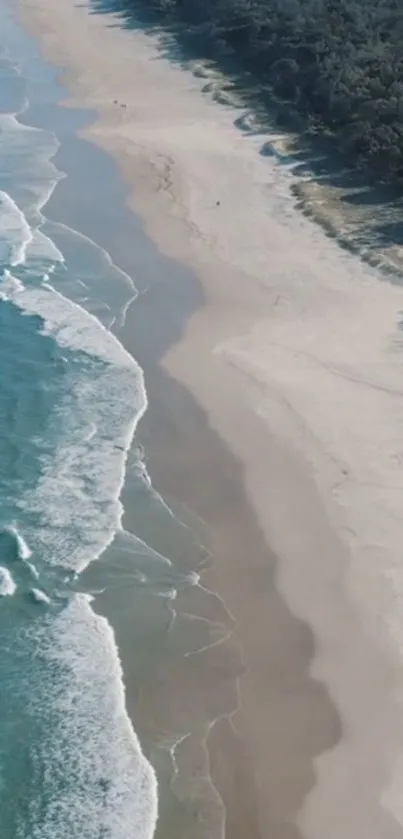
<point>296,360</point>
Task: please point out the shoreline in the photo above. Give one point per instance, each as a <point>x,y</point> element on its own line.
<point>231,309</point>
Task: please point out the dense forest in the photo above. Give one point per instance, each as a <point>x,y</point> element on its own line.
<point>339,62</point>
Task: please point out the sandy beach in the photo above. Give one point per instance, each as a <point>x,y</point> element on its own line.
<point>275,418</point>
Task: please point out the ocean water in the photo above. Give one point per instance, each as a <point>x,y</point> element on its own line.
<point>70,399</point>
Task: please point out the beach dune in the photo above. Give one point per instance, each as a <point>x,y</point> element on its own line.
<point>293,458</point>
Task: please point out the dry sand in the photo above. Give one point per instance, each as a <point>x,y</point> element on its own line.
<point>296,357</point>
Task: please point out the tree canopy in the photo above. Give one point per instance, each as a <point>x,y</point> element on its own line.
<point>338,62</point>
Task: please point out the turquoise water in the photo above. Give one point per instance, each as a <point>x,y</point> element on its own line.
<point>70,399</point>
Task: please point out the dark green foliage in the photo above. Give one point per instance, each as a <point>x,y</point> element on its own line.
<point>338,62</point>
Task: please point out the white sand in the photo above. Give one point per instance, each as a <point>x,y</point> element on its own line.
<point>297,358</point>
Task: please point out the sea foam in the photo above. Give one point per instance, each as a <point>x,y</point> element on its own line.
<point>15,232</point>
<point>31,150</point>
<point>24,552</point>
<point>7,584</point>
<point>87,774</point>
<point>97,781</point>
<point>39,596</point>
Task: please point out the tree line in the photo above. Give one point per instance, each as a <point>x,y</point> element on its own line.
<point>339,63</point>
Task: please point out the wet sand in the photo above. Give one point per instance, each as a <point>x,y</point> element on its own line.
<point>247,429</point>
<point>268,649</point>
